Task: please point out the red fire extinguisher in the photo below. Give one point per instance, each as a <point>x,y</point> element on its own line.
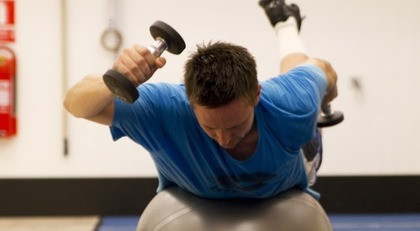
<point>8,125</point>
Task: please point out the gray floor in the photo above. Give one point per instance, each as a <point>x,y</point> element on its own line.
<point>343,222</point>
<point>48,223</point>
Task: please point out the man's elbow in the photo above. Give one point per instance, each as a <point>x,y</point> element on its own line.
<point>70,105</point>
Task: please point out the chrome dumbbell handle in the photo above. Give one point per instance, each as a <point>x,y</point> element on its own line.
<point>158,47</point>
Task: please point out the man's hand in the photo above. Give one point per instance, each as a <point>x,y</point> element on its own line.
<point>137,64</point>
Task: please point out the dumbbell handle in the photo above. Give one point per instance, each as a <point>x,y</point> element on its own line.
<point>158,47</point>
<point>326,110</point>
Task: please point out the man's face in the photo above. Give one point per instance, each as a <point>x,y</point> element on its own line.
<point>228,124</point>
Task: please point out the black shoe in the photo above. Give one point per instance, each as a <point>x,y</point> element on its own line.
<point>279,11</point>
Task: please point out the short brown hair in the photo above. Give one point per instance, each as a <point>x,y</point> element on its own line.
<point>220,72</point>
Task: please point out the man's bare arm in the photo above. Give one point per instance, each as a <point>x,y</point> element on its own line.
<point>91,99</point>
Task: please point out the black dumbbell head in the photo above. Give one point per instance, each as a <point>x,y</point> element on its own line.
<point>174,41</point>
<point>120,86</point>
<point>330,120</point>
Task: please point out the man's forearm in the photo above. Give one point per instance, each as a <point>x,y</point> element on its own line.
<point>88,98</point>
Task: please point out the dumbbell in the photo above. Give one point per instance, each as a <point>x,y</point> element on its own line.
<point>328,118</point>
<point>166,38</point>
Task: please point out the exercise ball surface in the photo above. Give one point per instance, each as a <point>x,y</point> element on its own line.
<point>175,209</point>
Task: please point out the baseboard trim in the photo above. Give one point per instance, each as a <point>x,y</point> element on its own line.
<point>370,194</point>
<point>129,196</point>
<point>94,196</point>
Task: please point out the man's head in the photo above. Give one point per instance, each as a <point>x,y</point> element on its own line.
<point>222,86</point>
<point>220,72</point>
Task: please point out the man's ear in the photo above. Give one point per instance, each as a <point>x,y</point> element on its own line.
<point>257,97</point>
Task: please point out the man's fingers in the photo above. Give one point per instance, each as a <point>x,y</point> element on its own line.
<point>160,62</point>
<point>137,63</point>
<point>122,69</point>
<point>143,51</point>
<point>330,96</point>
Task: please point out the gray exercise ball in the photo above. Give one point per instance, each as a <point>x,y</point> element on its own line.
<point>174,209</point>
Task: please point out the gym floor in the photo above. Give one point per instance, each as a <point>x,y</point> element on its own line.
<point>342,222</point>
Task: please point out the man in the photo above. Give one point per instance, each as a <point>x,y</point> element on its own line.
<point>223,134</point>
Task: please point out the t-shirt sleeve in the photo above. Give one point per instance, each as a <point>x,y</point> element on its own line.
<point>294,100</point>
<point>140,120</point>
<point>309,79</point>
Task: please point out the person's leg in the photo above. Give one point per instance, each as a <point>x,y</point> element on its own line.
<point>174,209</point>
<point>312,154</point>
<point>286,21</point>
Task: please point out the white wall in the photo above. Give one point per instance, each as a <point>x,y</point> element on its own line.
<point>375,41</point>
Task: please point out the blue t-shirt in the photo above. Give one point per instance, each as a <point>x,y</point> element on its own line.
<point>164,123</point>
